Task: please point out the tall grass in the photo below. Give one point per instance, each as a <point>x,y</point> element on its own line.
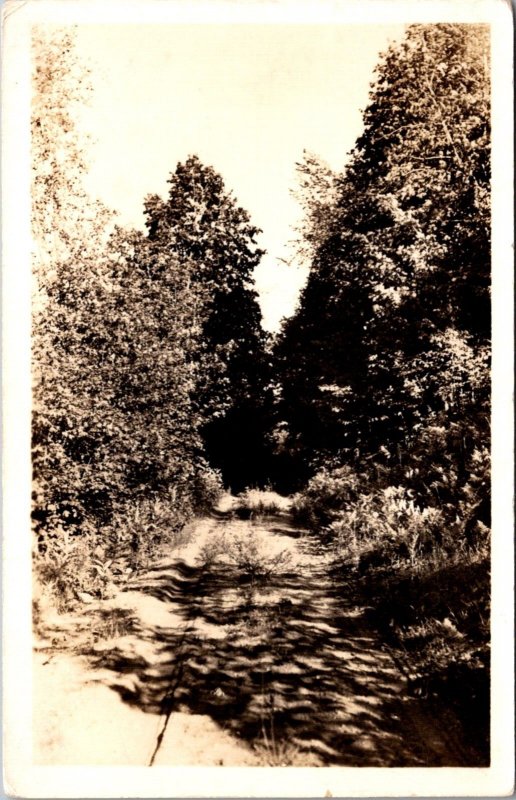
<point>259,503</point>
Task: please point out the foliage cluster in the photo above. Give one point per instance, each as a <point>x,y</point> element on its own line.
<point>258,503</point>
<point>393,324</point>
<point>424,572</point>
<point>148,352</point>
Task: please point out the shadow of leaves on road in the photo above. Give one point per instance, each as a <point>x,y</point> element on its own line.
<point>289,661</point>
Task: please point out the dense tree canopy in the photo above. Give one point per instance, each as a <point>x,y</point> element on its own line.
<point>400,256</point>
<point>117,344</point>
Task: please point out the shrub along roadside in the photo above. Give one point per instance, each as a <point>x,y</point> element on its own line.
<point>426,582</point>
<point>95,563</point>
<point>436,616</point>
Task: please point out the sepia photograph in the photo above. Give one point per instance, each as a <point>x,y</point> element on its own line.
<point>260,397</point>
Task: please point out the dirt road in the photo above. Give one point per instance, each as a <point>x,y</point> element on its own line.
<point>241,649</point>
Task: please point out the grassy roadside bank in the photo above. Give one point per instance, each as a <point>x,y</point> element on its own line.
<point>436,623</point>
<point>426,585</point>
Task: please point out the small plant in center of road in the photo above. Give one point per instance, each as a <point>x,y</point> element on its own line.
<point>250,556</point>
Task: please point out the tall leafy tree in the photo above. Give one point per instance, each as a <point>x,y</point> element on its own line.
<point>116,339</point>
<point>64,217</point>
<point>66,223</point>
<point>201,224</point>
<point>426,147</point>
<point>400,256</point>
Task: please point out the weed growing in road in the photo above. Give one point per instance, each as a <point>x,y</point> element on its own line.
<point>247,553</point>
<point>252,559</point>
<point>213,550</point>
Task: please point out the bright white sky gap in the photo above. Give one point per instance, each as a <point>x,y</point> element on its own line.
<point>247,99</point>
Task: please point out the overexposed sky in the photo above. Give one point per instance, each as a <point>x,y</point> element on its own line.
<point>246,98</point>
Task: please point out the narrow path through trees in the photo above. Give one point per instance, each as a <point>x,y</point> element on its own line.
<point>248,630</point>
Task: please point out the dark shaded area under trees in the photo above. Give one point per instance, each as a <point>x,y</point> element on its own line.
<point>200,222</point>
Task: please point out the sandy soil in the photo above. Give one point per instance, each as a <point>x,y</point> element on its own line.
<point>240,649</point>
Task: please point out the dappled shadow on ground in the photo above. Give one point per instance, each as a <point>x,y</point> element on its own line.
<point>290,661</point>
